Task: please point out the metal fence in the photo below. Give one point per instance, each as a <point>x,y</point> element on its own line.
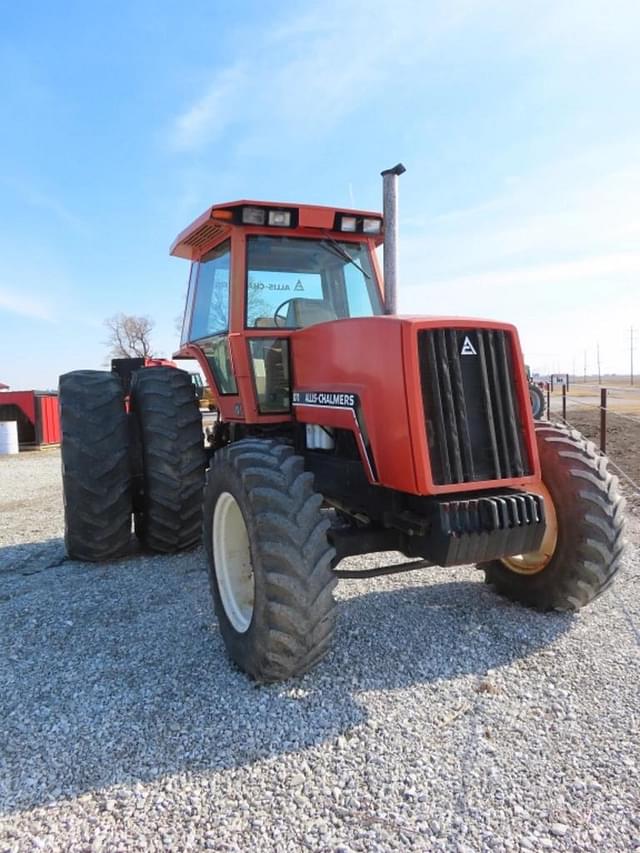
<point>606,414</point>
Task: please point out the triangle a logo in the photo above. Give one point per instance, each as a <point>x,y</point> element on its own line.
<point>467,347</point>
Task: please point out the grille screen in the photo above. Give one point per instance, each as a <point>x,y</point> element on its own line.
<point>474,426</point>
<point>205,233</point>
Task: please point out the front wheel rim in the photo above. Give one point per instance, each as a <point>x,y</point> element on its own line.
<point>536,561</point>
<point>232,562</point>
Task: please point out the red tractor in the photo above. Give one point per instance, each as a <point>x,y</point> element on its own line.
<point>343,429</point>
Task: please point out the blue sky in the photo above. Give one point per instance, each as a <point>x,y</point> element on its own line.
<point>518,123</point>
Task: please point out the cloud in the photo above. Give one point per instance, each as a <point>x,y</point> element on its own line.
<point>210,115</point>
<point>25,306</point>
<point>585,26</point>
<point>566,211</point>
<point>308,71</point>
<point>35,284</point>
<point>555,252</point>
<point>41,200</point>
<point>603,267</point>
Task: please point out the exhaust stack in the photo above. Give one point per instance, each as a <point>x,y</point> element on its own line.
<point>390,214</point>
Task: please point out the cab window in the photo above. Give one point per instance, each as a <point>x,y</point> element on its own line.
<point>217,352</point>
<point>294,282</point>
<point>210,311</point>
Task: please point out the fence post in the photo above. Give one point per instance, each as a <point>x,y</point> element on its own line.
<point>548,402</point>
<point>603,420</point>
<point>564,403</point>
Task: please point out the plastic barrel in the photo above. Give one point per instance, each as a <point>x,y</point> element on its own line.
<point>8,437</point>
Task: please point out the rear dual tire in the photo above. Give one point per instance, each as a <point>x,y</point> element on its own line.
<point>151,463</point>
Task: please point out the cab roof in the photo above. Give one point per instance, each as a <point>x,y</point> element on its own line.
<point>218,220</point>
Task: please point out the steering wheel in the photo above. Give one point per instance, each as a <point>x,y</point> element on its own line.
<point>278,319</point>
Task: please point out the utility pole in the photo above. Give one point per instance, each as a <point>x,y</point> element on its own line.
<point>631,351</point>
<point>585,367</point>
<point>598,360</point>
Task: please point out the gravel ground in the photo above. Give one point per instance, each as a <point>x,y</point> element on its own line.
<point>445,718</point>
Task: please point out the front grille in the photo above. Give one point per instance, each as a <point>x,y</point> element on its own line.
<point>474,425</point>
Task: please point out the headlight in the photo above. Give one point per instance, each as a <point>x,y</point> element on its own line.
<point>253,216</point>
<point>371,226</point>
<point>280,217</point>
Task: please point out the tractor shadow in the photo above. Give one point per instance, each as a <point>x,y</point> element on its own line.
<point>31,557</point>
<point>116,674</point>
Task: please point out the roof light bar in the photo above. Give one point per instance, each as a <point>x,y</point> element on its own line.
<point>348,223</point>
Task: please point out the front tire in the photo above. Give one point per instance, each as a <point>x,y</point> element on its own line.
<point>95,465</point>
<point>269,560</point>
<point>170,445</point>
<point>588,542</point>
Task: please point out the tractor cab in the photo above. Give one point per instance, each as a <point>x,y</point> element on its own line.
<point>260,272</point>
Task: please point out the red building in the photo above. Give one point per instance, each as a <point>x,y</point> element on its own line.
<point>36,413</point>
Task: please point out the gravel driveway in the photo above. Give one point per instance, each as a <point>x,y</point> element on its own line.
<point>445,718</point>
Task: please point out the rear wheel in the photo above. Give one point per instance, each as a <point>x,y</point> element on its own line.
<point>95,465</point>
<point>269,560</point>
<point>170,454</point>
<point>581,552</point>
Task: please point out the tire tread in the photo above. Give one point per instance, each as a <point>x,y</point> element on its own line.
<point>597,547</point>
<point>170,425</point>
<point>95,465</point>
<point>294,554</point>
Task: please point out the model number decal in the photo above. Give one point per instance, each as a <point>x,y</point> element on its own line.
<point>334,399</point>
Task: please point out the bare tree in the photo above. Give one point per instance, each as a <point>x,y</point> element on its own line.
<point>129,336</point>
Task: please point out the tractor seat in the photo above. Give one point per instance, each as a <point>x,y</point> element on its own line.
<point>308,312</point>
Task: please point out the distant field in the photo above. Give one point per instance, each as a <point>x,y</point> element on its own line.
<point>623,429</point>
<point>620,397</point>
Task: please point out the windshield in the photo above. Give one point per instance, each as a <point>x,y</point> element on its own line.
<point>293,282</point>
